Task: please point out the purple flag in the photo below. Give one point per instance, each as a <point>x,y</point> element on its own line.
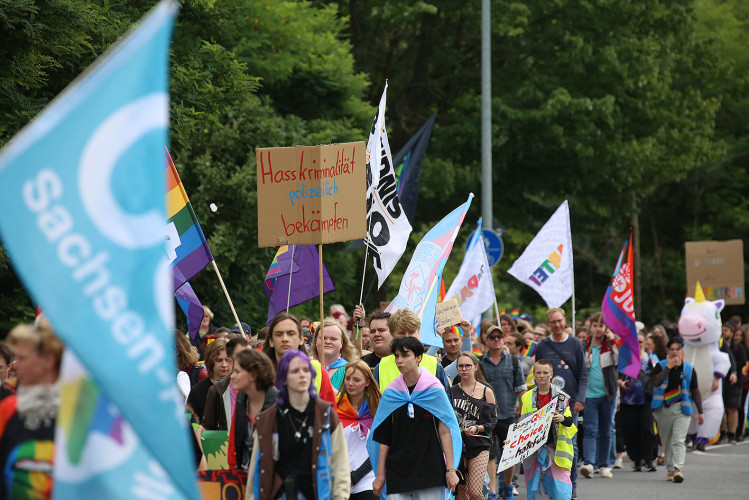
<point>303,276</point>
<point>191,306</point>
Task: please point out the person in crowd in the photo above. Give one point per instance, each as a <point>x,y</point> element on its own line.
<point>675,391</point>
<point>415,440</point>
<point>366,339</point>
<point>381,337</point>
<point>507,381</point>
<point>476,409</point>
<point>338,350</point>
<point>635,415</point>
<point>738,338</point>
<point>305,322</point>
<point>515,344</point>
<point>452,340</point>
<point>600,401</point>
<point>218,365</point>
<point>206,326</point>
<point>405,323</point>
<point>262,336</point>
<point>547,471</point>
<point>222,396</point>
<point>481,340</point>
<point>299,450</point>
<point>6,360</point>
<point>252,376</point>
<point>567,356</point>
<point>523,326</point>
<point>507,324</point>
<point>27,419</point>
<point>655,345</point>
<point>733,385</point>
<point>541,331</point>
<point>357,405</point>
<point>285,334</point>
<point>187,356</point>
<point>582,333</point>
<point>245,330</point>
<point>338,312</point>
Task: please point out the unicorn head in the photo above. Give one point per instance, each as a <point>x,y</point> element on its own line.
<point>700,323</point>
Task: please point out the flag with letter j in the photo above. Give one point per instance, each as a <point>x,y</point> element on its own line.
<point>82,217</point>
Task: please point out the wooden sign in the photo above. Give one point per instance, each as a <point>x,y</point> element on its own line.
<point>448,313</point>
<point>311,194</point>
<point>719,267</point>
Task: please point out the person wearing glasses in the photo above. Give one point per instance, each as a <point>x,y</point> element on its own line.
<point>476,410</point>
<point>506,379</point>
<point>675,389</point>
<point>570,371</point>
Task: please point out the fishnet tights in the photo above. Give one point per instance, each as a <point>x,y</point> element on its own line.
<point>472,490</point>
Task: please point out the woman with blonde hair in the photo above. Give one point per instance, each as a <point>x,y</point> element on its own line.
<point>356,405</point>
<point>337,350</point>
<point>475,407</point>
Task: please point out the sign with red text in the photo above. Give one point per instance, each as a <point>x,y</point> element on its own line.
<point>311,194</point>
<point>525,437</point>
<point>719,267</point>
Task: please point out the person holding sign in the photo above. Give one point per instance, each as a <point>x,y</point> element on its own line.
<point>476,410</point>
<point>547,472</point>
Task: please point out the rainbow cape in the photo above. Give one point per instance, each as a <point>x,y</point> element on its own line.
<point>429,394</point>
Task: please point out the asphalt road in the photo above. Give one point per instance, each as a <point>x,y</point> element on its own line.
<point>720,472</point>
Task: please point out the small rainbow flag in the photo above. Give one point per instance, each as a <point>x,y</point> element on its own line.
<point>189,251</point>
<point>457,330</point>
<point>515,313</point>
<point>529,349</point>
<point>274,270</point>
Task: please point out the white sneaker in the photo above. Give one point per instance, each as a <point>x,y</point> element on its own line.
<point>515,490</point>
<point>618,464</point>
<point>586,470</point>
<point>606,473</point>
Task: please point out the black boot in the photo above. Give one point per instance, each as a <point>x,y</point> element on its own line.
<point>649,466</point>
<point>731,437</point>
<point>638,465</point>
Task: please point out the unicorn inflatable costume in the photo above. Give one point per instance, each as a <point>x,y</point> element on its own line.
<point>700,326</point>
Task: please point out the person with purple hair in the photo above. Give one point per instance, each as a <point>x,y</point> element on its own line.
<point>299,448</point>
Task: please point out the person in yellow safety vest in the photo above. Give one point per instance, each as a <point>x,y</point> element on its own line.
<point>285,334</point>
<point>405,323</point>
<point>548,469</point>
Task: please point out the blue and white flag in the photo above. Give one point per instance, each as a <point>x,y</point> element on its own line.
<point>420,286</point>
<point>82,216</point>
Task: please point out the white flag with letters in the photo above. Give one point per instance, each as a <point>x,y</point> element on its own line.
<point>472,287</point>
<point>387,225</point>
<point>546,264</point>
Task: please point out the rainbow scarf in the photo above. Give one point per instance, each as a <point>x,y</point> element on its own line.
<point>429,394</point>
<point>529,349</point>
<point>349,416</point>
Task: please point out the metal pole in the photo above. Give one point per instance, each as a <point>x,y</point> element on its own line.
<point>486,121</point>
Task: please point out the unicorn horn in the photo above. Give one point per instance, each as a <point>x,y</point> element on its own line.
<point>699,295</point>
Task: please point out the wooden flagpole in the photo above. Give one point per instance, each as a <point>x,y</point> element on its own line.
<point>226,292</point>
<point>321,351</point>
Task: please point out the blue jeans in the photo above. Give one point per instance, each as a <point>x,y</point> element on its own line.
<point>597,431</point>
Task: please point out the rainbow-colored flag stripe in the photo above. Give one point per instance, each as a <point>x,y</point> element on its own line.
<point>529,349</point>
<point>192,250</point>
<point>271,276</point>
<point>672,396</point>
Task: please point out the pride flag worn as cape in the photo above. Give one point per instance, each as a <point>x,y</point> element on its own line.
<point>429,394</point>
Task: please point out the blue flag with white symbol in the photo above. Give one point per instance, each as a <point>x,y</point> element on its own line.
<point>82,217</point>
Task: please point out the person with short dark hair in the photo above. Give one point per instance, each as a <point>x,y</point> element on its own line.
<point>414,443</point>
<point>675,389</point>
<point>377,322</point>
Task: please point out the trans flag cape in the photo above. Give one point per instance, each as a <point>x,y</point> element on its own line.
<point>82,218</point>
<point>619,312</point>
<point>288,283</point>
<point>420,286</point>
<point>429,394</point>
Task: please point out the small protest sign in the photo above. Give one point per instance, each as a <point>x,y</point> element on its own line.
<point>311,194</point>
<point>448,313</point>
<point>719,268</point>
<point>527,436</point>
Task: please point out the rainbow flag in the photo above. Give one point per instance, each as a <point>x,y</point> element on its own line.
<point>515,313</point>
<point>187,247</point>
<point>529,349</point>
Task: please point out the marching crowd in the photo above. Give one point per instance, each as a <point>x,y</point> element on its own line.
<point>358,407</point>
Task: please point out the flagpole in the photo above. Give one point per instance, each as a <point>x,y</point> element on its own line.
<point>226,292</point>
<point>321,351</point>
<point>291,274</point>
<point>366,253</point>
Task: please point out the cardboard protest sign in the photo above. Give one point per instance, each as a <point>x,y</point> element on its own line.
<point>527,436</point>
<point>448,313</point>
<point>311,194</point>
<point>719,267</point>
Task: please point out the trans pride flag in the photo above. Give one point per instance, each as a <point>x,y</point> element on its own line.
<point>187,248</point>
<point>619,312</point>
<point>420,286</point>
<point>429,394</point>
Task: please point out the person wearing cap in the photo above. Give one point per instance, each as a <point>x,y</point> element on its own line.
<point>245,329</point>
<point>675,389</point>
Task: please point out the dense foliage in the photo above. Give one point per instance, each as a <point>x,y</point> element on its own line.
<point>633,111</point>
